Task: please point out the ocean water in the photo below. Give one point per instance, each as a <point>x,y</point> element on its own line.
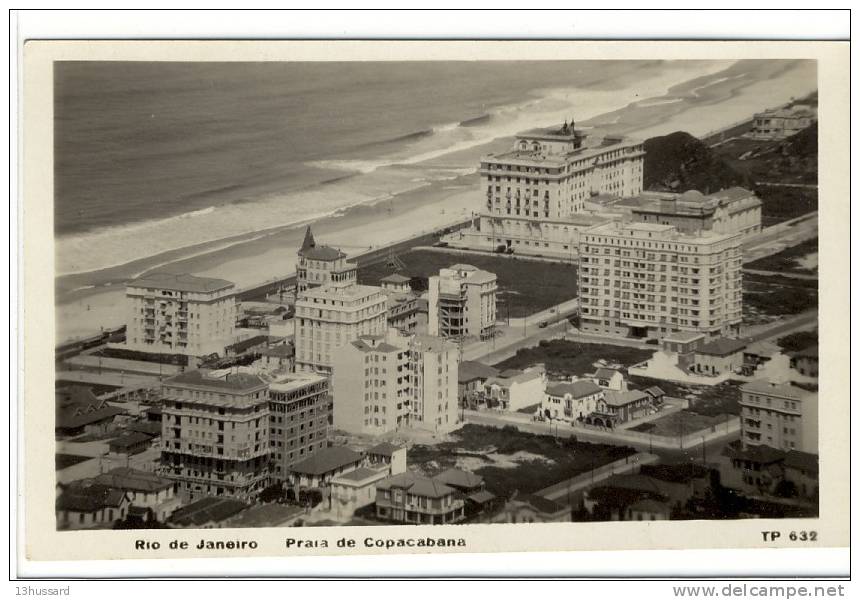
<point>152,157</point>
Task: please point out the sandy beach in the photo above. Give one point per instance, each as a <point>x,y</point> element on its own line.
<point>90,300</point>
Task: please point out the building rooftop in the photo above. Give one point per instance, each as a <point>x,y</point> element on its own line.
<point>683,337</point>
<point>509,377</point>
<point>605,373</point>
<point>266,515</point>
<point>576,389</point>
<point>803,461</point>
<point>181,282</point>
<point>361,475</point>
<point>128,440</point>
<point>759,454</point>
<point>470,370</point>
<point>721,347</point>
<point>624,398</point>
<point>539,503</point>
<point>326,461</point>
<point>293,381</point>
<point>207,510</point>
<point>416,484</point>
<point>365,346</point>
<point>384,449</point>
<point>782,390</point>
<point>126,478</point>
<point>395,278</point>
<point>430,343</point>
<point>352,292</point>
<point>223,379</point>
<point>310,250</point>
<point>87,496</point>
<point>77,406</point>
<point>810,352</point>
<point>457,478</point>
<point>279,351</point>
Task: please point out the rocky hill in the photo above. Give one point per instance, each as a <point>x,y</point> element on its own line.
<point>679,162</point>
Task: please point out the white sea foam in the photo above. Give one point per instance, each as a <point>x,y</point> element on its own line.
<point>374,183</point>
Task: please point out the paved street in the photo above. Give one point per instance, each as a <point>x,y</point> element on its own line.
<point>667,454</point>
<point>778,237</point>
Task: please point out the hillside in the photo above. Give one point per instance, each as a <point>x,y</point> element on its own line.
<point>679,162</point>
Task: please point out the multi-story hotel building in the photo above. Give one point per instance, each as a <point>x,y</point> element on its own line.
<point>328,317</point>
<point>300,407</point>
<point>180,314</point>
<point>779,415</point>
<point>382,383</point>
<point>215,434</point>
<point>322,266</point>
<point>462,303</point>
<point>536,194</point>
<point>647,280</point>
<point>734,210</point>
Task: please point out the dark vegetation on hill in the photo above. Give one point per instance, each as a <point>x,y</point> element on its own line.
<point>679,162</point>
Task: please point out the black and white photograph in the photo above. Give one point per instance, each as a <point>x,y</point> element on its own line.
<point>342,297</point>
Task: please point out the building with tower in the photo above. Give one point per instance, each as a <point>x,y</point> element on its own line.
<point>320,266</point>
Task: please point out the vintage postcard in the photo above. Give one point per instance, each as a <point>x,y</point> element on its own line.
<point>286,298</point>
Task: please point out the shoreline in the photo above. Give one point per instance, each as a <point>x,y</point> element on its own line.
<point>89,300</point>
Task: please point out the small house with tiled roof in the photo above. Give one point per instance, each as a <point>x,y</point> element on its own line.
<point>720,355</point>
<point>317,471</point>
<point>89,505</point>
<point>209,512</point>
<point>80,411</point>
<point>416,499</point>
<point>530,508</point>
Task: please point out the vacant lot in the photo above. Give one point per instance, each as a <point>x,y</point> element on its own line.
<point>788,260</point>
<point>564,358</point>
<point>509,459</point>
<point>525,287</point>
<point>799,340</point>
<point>679,423</point>
<point>777,296</point>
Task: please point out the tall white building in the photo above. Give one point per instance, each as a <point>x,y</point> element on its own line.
<point>329,317</point>
<point>462,303</point>
<point>180,314</point>
<point>537,195</point>
<point>647,280</point>
<point>779,415</point>
<point>382,383</point>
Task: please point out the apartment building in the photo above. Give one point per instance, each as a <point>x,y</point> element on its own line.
<point>538,192</point>
<point>780,123</point>
<point>647,280</point>
<point>329,317</point>
<point>215,434</point>
<point>300,408</point>
<point>779,415</point>
<point>322,266</point>
<point>733,210</point>
<point>180,314</point>
<point>462,303</point>
<point>382,383</point>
